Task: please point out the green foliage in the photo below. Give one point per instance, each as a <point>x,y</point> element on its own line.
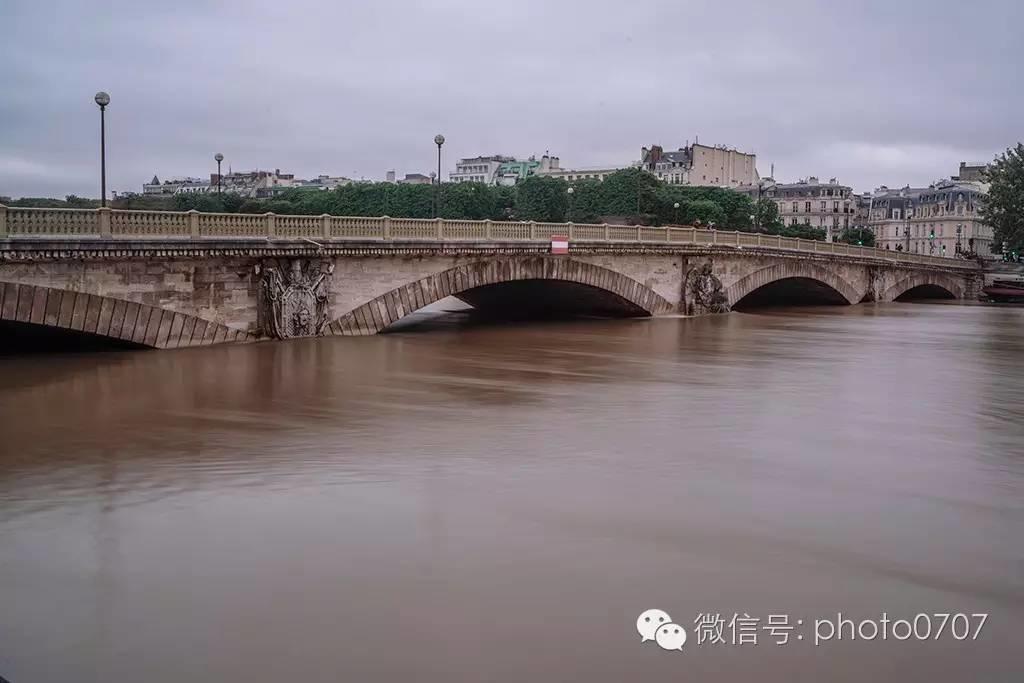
<point>200,202</point>
<point>766,216</point>
<point>861,236</point>
<point>75,202</point>
<point>144,203</point>
<point>253,206</point>
<point>1004,207</point>
<point>472,201</point>
<point>232,201</point>
<point>410,201</point>
<point>39,202</point>
<point>504,203</point>
<point>586,201</point>
<point>801,230</point>
<point>629,192</point>
<point>542,198</point>
<point>704,212</point>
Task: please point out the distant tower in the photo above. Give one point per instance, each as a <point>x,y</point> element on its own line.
<point>391,176</point>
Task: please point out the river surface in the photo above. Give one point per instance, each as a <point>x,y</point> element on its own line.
<point>501,503</point>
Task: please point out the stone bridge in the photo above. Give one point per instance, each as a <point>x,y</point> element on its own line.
<point>167,280</point>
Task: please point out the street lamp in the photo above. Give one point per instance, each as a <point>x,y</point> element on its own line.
<point>959,244</point>
<point>218,157</point>
<point>103,99</point>
<point>570,192</point>
<point>675,207</point>
<point>438,140</point>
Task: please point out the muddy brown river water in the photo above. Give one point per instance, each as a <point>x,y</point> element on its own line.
<point>500,503</point>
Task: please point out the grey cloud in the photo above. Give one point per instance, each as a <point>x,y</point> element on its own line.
<point>871,92</point>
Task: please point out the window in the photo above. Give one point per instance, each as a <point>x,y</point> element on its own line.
<point>807,207</point>
<point>796,207</point>
<point>823,205</point>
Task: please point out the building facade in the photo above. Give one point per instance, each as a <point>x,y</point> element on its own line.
<point>479,169</point>
<point>511,172</point>
<point>246,184</point>
<point>942,219</point>
<point>829,206</point>
<point>416,179</point>
<point>972,172</point>
<point>696,164</point>
<point>173,186</point>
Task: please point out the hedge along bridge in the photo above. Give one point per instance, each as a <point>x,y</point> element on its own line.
<point>174,279</point>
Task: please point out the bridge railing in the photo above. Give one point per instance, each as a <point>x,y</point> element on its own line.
<point>132,224</point>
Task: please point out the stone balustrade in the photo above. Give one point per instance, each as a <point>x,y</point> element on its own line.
<point>105,223</point>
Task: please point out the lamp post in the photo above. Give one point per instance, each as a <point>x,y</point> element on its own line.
<point>675,208</point>
<point>433,179</point>
<point>906,229</point>
<point>570,192</point>
<point>438,140</point>
<point>103,99</point>
<point>218,157</point>
<point>959,244</point>
<point>757,206</point>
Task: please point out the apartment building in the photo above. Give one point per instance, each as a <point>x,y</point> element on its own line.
<point>942,219</point>
<point>830,206</point>
<point>696,164</point>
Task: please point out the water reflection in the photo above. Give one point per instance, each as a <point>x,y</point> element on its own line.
<point>499,503</point>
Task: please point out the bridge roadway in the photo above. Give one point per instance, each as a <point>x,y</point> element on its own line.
<point>175,279</point>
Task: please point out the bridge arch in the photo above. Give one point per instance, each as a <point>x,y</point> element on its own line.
<point>792,269</point>
<point>940,284</point>
<point>388,308</point>
<point>103,316</point>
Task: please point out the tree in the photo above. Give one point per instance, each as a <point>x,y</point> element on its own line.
<point>76,202</point>
<point>629,192</point>
<point>1004,207</point>
<point>470,201</point>
<point>705,212</point>
<point>542,198</point>
<point>187,201</point>
<point>858,235</point>
<point>586,202</point>
<point>766,216</point>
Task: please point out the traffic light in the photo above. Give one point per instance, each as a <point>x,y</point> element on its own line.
<point>931,235</point>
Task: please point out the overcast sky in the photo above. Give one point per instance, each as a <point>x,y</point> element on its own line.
<point>881,92</point>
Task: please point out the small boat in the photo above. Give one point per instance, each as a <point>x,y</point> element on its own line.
<point>1004,291</point>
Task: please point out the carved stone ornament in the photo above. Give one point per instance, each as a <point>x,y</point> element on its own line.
<point>294,301</point>
<point>705,291</point>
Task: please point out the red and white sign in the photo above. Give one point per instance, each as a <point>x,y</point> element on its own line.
<point>559,244</point>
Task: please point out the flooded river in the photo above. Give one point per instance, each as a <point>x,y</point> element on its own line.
<point>500,503</point>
